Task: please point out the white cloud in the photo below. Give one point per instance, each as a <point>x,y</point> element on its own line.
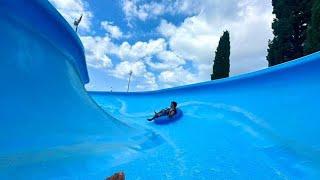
<point>166,29</point>
<point>99,49</point>
<point>96,49</point>
<point>143,10</point>
<point>141,50</point>
<point>204,72</point>
<point>131,10</point>
<point>167,60</point>
<point>123,69</point>
<point>114,31</point>
<point>133,58</point>
<point>72,10</point>
<point>145,80</point>
<point>185,53</point>
<point>137,58</point>
<point>250,40</point>
<point>149,82</point>
<point>181,76</point>
<point>171,57</point>
<point>197,37</point>
<point>177,76</point>
<point>194,39</point>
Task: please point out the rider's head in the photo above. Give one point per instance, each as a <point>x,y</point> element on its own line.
<point>173,104</point>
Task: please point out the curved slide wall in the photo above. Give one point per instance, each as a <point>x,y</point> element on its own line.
<point>50,127</point>
<point>284,98</point>
<point>261,125</point>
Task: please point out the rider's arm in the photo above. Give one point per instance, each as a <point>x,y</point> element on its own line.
<point>172,113</point>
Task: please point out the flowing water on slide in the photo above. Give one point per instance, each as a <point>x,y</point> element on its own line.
<point>210,140</point>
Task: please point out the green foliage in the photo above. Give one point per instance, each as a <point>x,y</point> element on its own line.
<point>313,36</point>
<point>289,29</point>
<point>221,67</point>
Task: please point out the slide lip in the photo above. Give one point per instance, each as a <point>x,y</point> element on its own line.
<point>274,69</point>
<point>79,60</point>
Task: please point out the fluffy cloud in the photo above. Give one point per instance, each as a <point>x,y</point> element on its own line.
<point>177,76</point>
<point>143,10</point>
<point>132,58</point>
<point>149,82</point>
<point>146,79</point>
<point>197,37</point>
<point>114,31</point>
<point>123,69</point>
<point>99,49</point>
<point>249,39</point>
<point>182,76</point>
<point>96,49</point>
<point>131,10</point>
<point>194,39</point>
<point>141,55</point>
<point>141,49</point>
<point>167,60</point>
<point>72,9</point>
<point>183,53</point>
<point>135,58</point>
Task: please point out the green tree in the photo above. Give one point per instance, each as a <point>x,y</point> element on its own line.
<point>221,67</point>
<point>313,36</point>
<point>289,29</point>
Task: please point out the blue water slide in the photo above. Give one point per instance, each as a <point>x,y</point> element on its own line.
<point>50,126</point>
<point>262,125</point>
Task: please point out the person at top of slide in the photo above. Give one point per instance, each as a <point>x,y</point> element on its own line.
<point>170,112</point>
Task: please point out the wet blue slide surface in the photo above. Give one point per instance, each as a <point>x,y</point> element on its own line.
<point>263,125</point>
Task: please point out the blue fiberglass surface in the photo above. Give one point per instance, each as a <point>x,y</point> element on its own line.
<point>263,125</point>
<point>50,126</point>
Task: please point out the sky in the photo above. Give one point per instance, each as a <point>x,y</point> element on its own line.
<point>166,43</point>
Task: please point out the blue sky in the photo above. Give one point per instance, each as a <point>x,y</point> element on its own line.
<point>166,43</point>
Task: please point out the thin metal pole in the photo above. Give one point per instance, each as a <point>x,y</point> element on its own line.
<point>130,74</point>
<point>77,22</point>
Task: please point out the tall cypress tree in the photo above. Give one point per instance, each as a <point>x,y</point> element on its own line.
<point>279,46</point>
<point>289,29</point>
<point>221,67</point>
<point>313,36</point>
<point>300,18</point>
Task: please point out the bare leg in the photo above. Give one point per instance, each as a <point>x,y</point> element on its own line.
<point>151,118</point>
<point>156,115</point>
